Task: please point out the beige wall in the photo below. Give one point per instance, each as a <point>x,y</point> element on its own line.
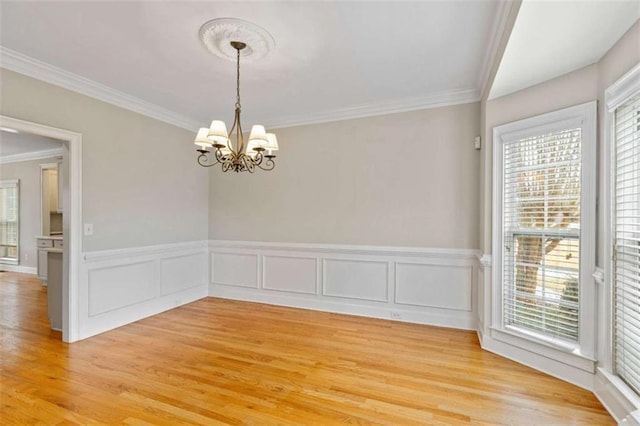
<point>29,174</point>
<point>406,179</point>
<point>140,183</point>
<point>584,85</point>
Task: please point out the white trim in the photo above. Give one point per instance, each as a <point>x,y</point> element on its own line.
<point>364,291</point>
<point>424,252</point>
<point>125,285</point>
<point>303,301</point>
<point>23,64</point>
<point>17,268</point>
<point>390,106</point>
<point>72,218</point>
<point>547,363</point>
<point>614,394</point>
<point>624,88</point>
<point>126,253</point>
<point>35,155</point>
<point>497,29</point>
<point>485,260</point>
<point>598,275</point>
<point>585,116</point>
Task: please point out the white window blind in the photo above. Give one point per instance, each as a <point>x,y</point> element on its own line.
<point>9,215</point>
<point>626,264</point>
<point>541,234</point>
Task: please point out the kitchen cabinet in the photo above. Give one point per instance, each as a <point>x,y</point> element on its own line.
<point>54,289</point>
<point>54,191</point>
<point>44,245</point>
<point>59,187</point>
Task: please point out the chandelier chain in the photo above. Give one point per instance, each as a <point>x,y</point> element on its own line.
<point>238,79</point>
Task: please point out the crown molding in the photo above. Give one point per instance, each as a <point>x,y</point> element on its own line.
<point>497,29</point>
<point>23,64</point>
<point>414,103</point>
<point>35,155</point>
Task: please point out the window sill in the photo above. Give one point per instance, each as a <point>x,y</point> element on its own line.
<point>566,354</point>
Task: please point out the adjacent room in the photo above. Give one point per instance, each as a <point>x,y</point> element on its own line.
<point>374,212</point>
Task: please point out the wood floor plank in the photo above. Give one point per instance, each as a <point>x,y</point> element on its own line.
<point>219,361</point>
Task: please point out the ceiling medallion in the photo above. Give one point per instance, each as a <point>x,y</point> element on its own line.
<point>215,144</point>
<point>218,34</point>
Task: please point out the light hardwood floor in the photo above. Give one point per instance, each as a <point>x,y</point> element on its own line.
<point>219,361</point>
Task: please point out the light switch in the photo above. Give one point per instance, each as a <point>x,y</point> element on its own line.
<point>88,229</point>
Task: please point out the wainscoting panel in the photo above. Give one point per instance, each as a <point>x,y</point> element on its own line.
<point>438,286</point>
<point>356,279</point>
<point>182,272</point>
<point>121,286</point>
<point>421,285</point>
<point>236,269</point>
<point>290,273</point>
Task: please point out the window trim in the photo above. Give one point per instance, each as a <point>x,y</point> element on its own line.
<point>583,116</point>
<point>617,94</point>
<point>13,183</point>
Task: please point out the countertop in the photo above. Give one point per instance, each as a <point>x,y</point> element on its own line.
<point>50,237</point>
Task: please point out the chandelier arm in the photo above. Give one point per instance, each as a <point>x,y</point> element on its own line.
<point>205,163</point>
<point>269,164</point>
<point>239,134</point>
<point>233,127</point>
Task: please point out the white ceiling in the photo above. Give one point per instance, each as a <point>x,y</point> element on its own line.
<point>12,144</point>
<point>332,59</point>
<point>551,38</point>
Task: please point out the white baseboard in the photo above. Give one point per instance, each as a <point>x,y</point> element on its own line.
<point>17,268</point>
<point>122,286</point>
<point>563,371</point>
<point>616,397</point>
<point>421,285</point>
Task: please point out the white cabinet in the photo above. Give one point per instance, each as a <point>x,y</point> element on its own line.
<point>54,191</point>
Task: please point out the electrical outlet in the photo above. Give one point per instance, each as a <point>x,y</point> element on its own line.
<point>395,315</point>
<point>88,229</point>
<point>26,257</point>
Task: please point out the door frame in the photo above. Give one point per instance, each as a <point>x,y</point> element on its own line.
<point>72,219</point>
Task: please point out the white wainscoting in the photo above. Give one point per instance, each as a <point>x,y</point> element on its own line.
<point>421,285</point>
<point>122,286</point>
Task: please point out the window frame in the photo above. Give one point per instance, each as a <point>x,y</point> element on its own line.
<point>581,355</point>
<point>13,183</point>
<point>625,88</point>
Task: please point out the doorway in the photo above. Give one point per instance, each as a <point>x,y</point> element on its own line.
<point>71,172</point>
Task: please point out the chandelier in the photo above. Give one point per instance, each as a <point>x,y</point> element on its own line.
<point>216,147</point>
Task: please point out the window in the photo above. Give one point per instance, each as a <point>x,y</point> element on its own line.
<point>626,236</point>
<point>541,225</point>
<point>9,221</point>
<point>544,229</point>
